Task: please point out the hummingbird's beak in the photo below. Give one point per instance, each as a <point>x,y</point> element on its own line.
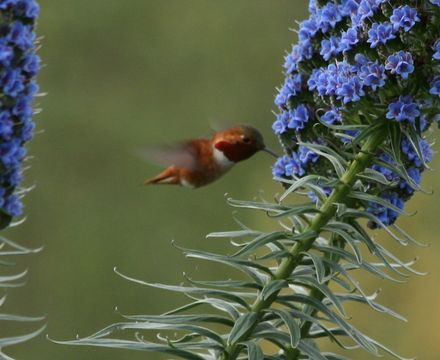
<point>269,151</point>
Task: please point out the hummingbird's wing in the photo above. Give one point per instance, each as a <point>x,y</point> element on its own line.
<point>180,155</point>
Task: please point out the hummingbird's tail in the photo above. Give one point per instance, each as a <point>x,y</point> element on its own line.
<point>168,176</point>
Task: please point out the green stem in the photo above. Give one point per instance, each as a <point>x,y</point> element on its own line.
<point>327,211</point>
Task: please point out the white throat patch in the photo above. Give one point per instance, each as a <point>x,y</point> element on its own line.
<point>221,159</point>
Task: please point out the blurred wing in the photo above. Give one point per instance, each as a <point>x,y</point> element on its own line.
<point>181,155</point>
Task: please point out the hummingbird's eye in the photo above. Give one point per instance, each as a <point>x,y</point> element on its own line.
<point>246,140</point>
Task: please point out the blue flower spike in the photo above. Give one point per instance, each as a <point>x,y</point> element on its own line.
<point>345,88</point>
<point>19,65</point>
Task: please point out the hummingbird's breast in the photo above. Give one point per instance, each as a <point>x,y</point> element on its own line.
<point>210,164</point>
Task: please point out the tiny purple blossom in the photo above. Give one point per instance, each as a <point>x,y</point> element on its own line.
<point>292,86</point>
<point>294,166</point>
<point>435,2</point>
<point>298,117</point>
<point>400,63</point>
<point>13,206</point>
<point>403,109</point>
<point>307,155</point>
<point>404,17</point>
<point>373,75</point>
<point>380,34</point>
<point>435,86</point>
<point>6,125</point>
<point>332,116</point>
<point>386,215</point>
<point>412,155</point>
<point>365,10</point>
<point>329,16</point>
<point>436,48</point>
<point>279,168</point>
<point>349,7</point>
<point>307,29</point>
<point>349,38</point>
<point>280,124</point>
<point>330,47</point>
<point>351,90</point>
<point>415,175</point>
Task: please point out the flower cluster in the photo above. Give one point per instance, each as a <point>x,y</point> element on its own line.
<point>359,63</point>
<point>19,65</point>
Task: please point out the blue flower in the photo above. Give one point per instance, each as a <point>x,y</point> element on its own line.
<point>31,64</point>
<point>13,206</point>
<point>6,53</point>
<point>373,75</point>
<point>435,86</point>
<point>308,29</point>
<point>351,90</point>
<point>279,168</point>
<point>294,166</point>
<point>12,82</point>
<point>290,63</point>
<point>27,8</point>
<point>299,117</point>
<point>349,38</point>
<point>365,10</point>
<point>425,149</point>
<point>436,48</point>
<point>404,17</point>
<point>435,2</point>
<point>280,124</point>
<point>400,63</point>
<point>332,116</point>
<point>380,34</point>
<point>5,4</point>
<point>330,47</point>
<point>292,86</point>
<point>329,16</point>
<point>415,175</point>
<point>21,36</point>
<point>6,125</point>
<point>389,174</point>
<point>312,195</point>
<point>18,67</point>
<point>403,109</point>
<point>307,155</point>
<point>386,215</point>
<point>349,7</point>
<point>11,153</point>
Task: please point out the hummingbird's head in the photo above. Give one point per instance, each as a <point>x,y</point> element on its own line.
<point>239,143</point>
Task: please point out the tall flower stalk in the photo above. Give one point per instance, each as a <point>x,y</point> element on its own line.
<point>361,89</point>
<point>19,65</point>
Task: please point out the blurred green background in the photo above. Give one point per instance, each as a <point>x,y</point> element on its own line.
<point>124,74</point>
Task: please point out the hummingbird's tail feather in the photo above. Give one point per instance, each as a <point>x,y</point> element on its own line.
<point>168,176</point>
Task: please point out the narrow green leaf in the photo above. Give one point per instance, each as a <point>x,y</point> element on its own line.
<point>310,351</point>
<point>292,326</point>
<point>242,327</point>
<point>273,287</point>
<point>254,351</point>
<point>20,339</point>
<point>319,265</point>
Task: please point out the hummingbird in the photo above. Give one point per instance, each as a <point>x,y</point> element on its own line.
<point>198,162</point>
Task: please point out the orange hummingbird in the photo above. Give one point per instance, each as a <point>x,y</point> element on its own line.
<point>198,162</point>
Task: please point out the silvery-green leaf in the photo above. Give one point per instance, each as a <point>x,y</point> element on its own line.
<point>242,327</point>
<point>291,324</point>
<point>254,351</point>
<point>14,340</point>
<point>272,287</point>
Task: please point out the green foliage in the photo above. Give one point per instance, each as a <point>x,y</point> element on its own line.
<point>294,283</point>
